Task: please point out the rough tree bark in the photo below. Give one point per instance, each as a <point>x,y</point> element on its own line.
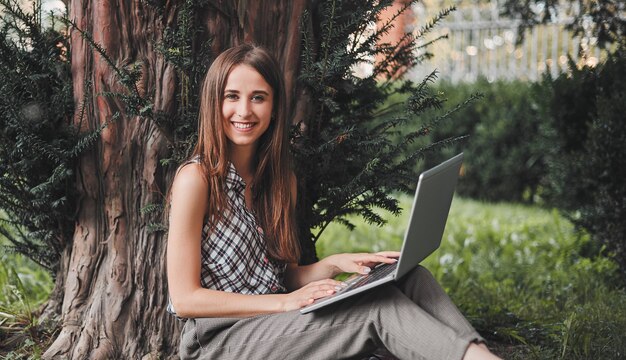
<point>111,286</point>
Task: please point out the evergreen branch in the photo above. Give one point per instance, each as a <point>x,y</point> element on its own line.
<point>430,147</point>
<point>430,78</point>
<point>322,228</point>
<point>86,96</point>
<point>355,183</point>
<point>388,124</point>
<point>157,227</point>
<point>44,148</point>
<point>12,223</point>
<point>58,174</point>
<point>473,97</point>
<point>10,203</point>
<point>307,48</point>
<point>421,99</point>
<point>122,74</point>
<point>429,43</point>
<point>389,23</point>
<point>327,36</point>
<point>151,208</point>
<point>397,57</point>
<point>7,235</point>
<point>29,21</point>
<point>343,221</point>
<point>89,139</point>
<point>128,78</point>
<point>387,109</point>
<point>370,44</point>
<point>363,25</point>
<point>433,22</point>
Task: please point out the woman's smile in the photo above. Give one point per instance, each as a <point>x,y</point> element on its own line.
<point>246,106</point>
<point>243,126</point>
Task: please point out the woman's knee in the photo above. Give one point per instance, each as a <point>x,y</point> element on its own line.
<point>420,274</point>
<point>419,283</point>
<point>387,297</point>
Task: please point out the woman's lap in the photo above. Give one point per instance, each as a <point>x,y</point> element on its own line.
<point>383,317</point>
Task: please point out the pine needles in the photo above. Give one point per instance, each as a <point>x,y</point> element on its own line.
<point>37,147</point>
<point>350,153</point>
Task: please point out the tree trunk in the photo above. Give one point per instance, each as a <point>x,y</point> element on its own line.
<point>113,285</point>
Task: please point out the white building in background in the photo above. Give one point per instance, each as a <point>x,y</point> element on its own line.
<point>482,43</point>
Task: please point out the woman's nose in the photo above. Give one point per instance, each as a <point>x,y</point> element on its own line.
<point>243,109</point>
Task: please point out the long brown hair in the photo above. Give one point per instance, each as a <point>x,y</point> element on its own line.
<point>271,185</point>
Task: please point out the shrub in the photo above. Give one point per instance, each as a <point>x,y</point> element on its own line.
<point>587,165</point>
<point>504,156</point>
<point>37,148</point>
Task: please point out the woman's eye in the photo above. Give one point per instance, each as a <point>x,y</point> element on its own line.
<point>258,98</point>
<point>231,97</point>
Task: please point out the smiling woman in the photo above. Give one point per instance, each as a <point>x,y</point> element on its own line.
<point>232,252</point>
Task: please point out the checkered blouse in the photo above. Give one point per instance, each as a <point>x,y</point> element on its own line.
<point>234,255</point>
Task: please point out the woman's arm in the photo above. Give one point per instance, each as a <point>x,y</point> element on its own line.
<point>333,265</point>
<point>298,276</point>
<point>188,205</point>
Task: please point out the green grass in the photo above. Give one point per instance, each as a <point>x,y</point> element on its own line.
<point>24,287</point>
<point>519,275</point>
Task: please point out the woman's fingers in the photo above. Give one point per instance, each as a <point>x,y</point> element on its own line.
<point>319,289</point>
<point>362,263</point>
<point>329,282</point>
<point>373,259</point>
<point>323,288</point>
<point>383,259</point>
<point>389,254</point>
<point>311,292</point>
<point>383,256</point>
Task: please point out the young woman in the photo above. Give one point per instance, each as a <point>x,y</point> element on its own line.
<point>232,249</point>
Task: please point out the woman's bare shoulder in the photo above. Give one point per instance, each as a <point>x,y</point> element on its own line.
<point>190,178</point>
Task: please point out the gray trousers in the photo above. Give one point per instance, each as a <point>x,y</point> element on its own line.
<point>413,319</point>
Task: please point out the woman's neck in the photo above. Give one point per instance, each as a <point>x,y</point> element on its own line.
<point>243,160</point>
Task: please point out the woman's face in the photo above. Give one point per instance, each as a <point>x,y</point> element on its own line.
<point>246,107</point>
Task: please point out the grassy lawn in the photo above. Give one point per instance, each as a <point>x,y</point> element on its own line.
<point>24,286</point>
<point>523,276</point>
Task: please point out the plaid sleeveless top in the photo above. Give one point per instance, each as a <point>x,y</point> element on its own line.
<point>234,255</point>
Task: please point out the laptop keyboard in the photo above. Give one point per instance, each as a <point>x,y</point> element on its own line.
<point>377,273</point>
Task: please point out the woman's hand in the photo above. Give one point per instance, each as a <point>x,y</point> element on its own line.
<point>309,293</point>
<point>360,263</point>
<point>298,277</point>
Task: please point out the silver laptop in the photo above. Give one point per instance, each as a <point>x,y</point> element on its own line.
<point>429,213</point>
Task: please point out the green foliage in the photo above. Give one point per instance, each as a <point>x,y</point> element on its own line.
<point>601,19</point>
<point>587,166</point>
<point>24,286</point>
<point>346,152</point>
<point>518,274</point>
<point>505,151</point>
<point>37,148</point>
